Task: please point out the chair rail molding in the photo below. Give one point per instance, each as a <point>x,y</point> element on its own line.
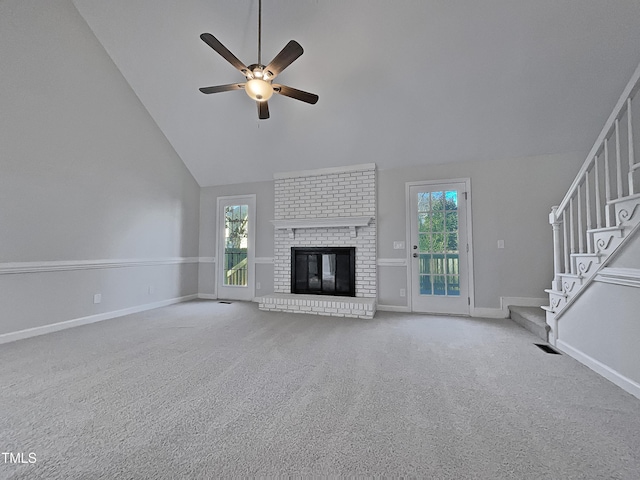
<point>69,265</point>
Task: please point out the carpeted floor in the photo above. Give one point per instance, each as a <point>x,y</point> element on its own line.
<point>209,390</point>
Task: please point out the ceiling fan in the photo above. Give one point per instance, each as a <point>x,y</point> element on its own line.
<point>259,85</point>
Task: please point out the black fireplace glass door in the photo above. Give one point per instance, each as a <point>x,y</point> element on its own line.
<point>343,282</point>
<point>301,280</point>
<point>314,272</point>
<point>323,271</point>
<point>328,273</point>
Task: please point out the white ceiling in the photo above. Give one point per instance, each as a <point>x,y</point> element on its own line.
<point>401,82</point>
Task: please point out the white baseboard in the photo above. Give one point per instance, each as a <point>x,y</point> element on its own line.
<point>55,327</point>
<point>207,296</point>
<point>607,372</point>
<point>393,308</point>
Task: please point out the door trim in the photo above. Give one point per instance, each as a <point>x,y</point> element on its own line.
<point>471,276</point>
<point>250,199</point>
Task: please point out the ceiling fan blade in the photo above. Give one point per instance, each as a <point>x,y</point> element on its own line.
<point>263,110</point>
<point>214,43</point>
<point>291,92</point>
<point>287,55</point>
<point>222,88</point>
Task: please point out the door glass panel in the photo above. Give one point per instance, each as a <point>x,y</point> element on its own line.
<point>424,222</point>
<point>423,202</point>
<point>453,285</point>
<point>425,264</point>
<point>452,221</point>
<point>437,200</point>
<point>451,200</point>
<point>235,245</point>
<point>425,242</point>
<point>425,285</point>
<point>439,285</point>
<point>439,255</point>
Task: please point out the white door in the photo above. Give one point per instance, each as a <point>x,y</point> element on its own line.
<point>438,248</point>
<point>236,247</point>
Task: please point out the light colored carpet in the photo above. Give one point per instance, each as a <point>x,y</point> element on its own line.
<point>208,390</point>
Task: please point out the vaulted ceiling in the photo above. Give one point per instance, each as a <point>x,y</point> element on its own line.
<point>400,82</point>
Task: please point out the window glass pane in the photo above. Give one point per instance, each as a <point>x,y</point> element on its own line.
<point>425,285</point>
<point>437,221</point>
<point>423,202</point>
<point>424,222</point>
<point>425,264</point>
<point>451,200</point>
<point>437,242</point>
<point>452,264</point>
<point>235,251</point>
<point>439,285</point>
<point>437,200</point>
<point>453,285</point>
<point>424,242</point>
<point>437,263</point>
<point>452,221</point>
<point>452,243</point>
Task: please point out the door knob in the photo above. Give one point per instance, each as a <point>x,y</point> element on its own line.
<point>415,247</point>
<point>415,255</point>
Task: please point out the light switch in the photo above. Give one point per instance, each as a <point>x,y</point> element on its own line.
<point>398,245</point>
<point>500,243</point>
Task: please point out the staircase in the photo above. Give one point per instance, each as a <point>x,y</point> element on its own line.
<point>600,213</point>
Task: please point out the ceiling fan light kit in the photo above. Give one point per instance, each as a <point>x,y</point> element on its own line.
<point>259,85</point>
<point>258,89</point>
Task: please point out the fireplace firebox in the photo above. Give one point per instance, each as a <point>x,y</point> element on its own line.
<point>323,271</point>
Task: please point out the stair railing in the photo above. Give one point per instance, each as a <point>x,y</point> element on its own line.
<point>589,203</point>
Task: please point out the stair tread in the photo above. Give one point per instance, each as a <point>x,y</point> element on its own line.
<point>532,319</point>
<point>606,229</point>
<point>533,314</point>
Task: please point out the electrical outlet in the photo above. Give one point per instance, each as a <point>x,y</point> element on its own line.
<point>97,298</point>
<point>403,292</point>
<point>398,245</point>
<point>500,243</point>
<point>258,286</point>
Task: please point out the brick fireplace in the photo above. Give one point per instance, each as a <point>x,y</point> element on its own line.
<point>326,208</point>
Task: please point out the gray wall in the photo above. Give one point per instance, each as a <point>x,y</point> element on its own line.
<point>264,192</point>
<point>511,201</point>
<point>85,174</point>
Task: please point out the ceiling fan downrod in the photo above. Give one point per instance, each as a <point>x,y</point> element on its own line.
<point>259,32</point>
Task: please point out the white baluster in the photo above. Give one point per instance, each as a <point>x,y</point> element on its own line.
<point>557,252</point>
<point>572,233</point>
<point>598,204</point>
<point>630,135</point>
<point>618,161</point>
<point>580,231</point>
<point>607,184</point>
<point>565,244</point>
<point>588,206</point>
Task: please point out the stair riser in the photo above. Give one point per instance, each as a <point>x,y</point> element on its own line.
<point>628,213</point>
<point>606,242</point>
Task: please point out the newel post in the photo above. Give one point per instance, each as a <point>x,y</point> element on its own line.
<point>557,249</point>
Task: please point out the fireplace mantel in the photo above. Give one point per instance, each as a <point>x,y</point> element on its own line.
<point>328,222</point>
